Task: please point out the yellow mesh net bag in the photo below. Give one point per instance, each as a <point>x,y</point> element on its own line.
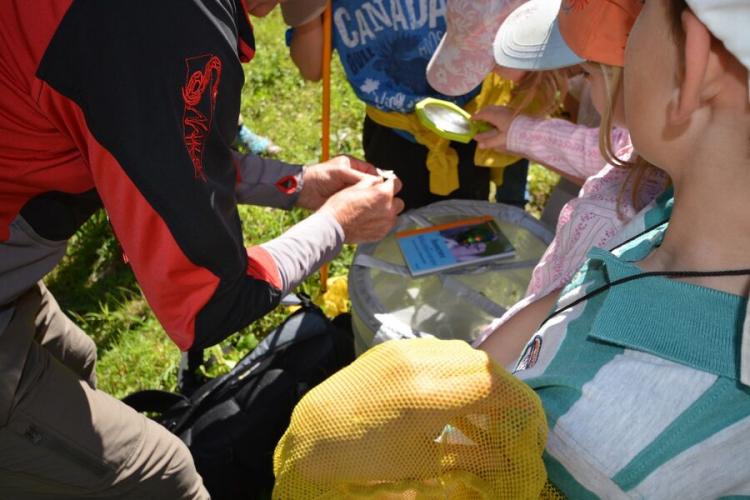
<point>415,419</point>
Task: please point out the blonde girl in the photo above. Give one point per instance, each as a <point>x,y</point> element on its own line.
<point>602,157</point>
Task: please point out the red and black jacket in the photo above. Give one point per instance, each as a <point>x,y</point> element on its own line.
<point>133,104</point>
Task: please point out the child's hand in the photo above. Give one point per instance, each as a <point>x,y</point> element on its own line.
<point>499,117</point>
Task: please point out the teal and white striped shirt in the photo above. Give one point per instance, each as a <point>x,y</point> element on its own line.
<point>640,383</point>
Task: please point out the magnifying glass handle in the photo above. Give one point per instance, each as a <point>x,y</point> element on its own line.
<point>480,126</point>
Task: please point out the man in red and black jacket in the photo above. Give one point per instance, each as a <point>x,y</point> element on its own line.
<point>131,105</point>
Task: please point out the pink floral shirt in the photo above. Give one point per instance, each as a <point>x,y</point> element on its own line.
<point>595,217</point>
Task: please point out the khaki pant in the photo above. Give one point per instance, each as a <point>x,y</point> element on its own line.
<point>62,438</point>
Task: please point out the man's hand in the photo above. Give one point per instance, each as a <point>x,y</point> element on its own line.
<point>499,117</point>
<point>367,210</point>
<point>323,180</point>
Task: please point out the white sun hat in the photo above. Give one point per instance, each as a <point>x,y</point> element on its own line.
<point>464,57</point>
<point>728,20</point>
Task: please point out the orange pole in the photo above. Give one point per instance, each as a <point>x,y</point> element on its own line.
<point>325,153</point>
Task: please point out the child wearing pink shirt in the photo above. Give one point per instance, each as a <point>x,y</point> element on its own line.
<point>597,217</point>
<point>611,195</point>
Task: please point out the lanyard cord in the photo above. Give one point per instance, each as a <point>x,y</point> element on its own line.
<point>673,274</point>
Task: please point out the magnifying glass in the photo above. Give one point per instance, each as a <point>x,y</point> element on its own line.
<point>448,120</point>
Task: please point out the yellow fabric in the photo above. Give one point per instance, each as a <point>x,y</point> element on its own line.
<point>442,160</point>
<point>496,91</point>
<point>550,492</point>
<point>415,419</point>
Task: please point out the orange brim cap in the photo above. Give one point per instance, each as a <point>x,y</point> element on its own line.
<point>597,30</point>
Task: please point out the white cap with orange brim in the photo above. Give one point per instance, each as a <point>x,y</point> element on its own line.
<point>530,39</point>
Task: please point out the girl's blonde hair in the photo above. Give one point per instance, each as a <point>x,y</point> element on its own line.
<point>640,169</point>
<point>540,93</point>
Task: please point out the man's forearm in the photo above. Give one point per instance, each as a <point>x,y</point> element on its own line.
<point>305,247</point>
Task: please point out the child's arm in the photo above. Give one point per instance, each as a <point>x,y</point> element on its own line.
<point>569,149</point>
<point>573,149</point>
<point>507,341</point>
<point>306,49</point>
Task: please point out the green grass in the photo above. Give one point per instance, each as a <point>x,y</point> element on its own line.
<point>96,287</point>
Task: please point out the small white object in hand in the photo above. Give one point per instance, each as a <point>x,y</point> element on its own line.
<point>386,174</point>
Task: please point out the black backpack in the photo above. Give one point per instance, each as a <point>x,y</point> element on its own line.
<point>232,423</point>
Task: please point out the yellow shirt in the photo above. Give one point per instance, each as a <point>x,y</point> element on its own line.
<point>442,160</point>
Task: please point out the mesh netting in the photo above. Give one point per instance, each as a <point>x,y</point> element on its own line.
<point>415,419</point>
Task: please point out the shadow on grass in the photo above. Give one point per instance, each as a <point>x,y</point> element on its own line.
<point>95,287</point>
